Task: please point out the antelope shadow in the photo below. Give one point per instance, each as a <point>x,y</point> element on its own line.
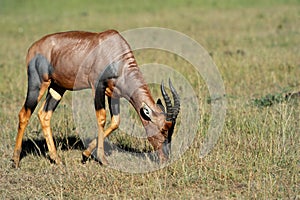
<point>110,148</point>
<point>38,147</point>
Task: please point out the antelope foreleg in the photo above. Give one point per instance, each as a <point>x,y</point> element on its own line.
<point>115,121</point>
<point>114,107</point>
<point>101,119</point>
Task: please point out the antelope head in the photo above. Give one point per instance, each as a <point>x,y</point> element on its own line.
<point>162,122</point>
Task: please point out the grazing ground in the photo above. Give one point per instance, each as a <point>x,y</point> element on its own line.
<point>255,45</point>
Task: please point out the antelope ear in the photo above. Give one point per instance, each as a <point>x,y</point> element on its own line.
<point>146,112</point>
<point>159,103</point>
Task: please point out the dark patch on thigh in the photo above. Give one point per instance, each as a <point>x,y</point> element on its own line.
<point>38,69</point>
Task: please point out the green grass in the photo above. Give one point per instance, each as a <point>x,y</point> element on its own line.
<point>255,45</point>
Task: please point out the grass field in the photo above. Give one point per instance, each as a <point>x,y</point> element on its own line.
<point>255,45</point>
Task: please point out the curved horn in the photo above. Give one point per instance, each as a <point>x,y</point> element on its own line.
<point>176,98</point>
<point>167,101</point>
<point>172,111</point>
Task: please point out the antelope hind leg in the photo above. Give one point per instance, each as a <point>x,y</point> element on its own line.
<point>45,114</point>
<point>35,91</point>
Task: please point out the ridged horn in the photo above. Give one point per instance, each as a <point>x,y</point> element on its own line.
<point>172,111</point>
<point>167,101</point>
<point>176,107</point>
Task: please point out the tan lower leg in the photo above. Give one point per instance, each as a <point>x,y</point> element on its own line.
<point>45,118</point>
<point>101,118</point>
<point>87,153</point>
<point>24,116</point>
<point>115,121</point>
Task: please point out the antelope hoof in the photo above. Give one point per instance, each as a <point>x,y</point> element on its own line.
<point>58,161</point>
<point>55,159</point>
<point>84,158</point>
<point>15,163</point>
<point>104,161</point>
<point>16,159</point>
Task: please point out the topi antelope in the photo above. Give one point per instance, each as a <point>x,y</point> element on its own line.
<point>105,63</point>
